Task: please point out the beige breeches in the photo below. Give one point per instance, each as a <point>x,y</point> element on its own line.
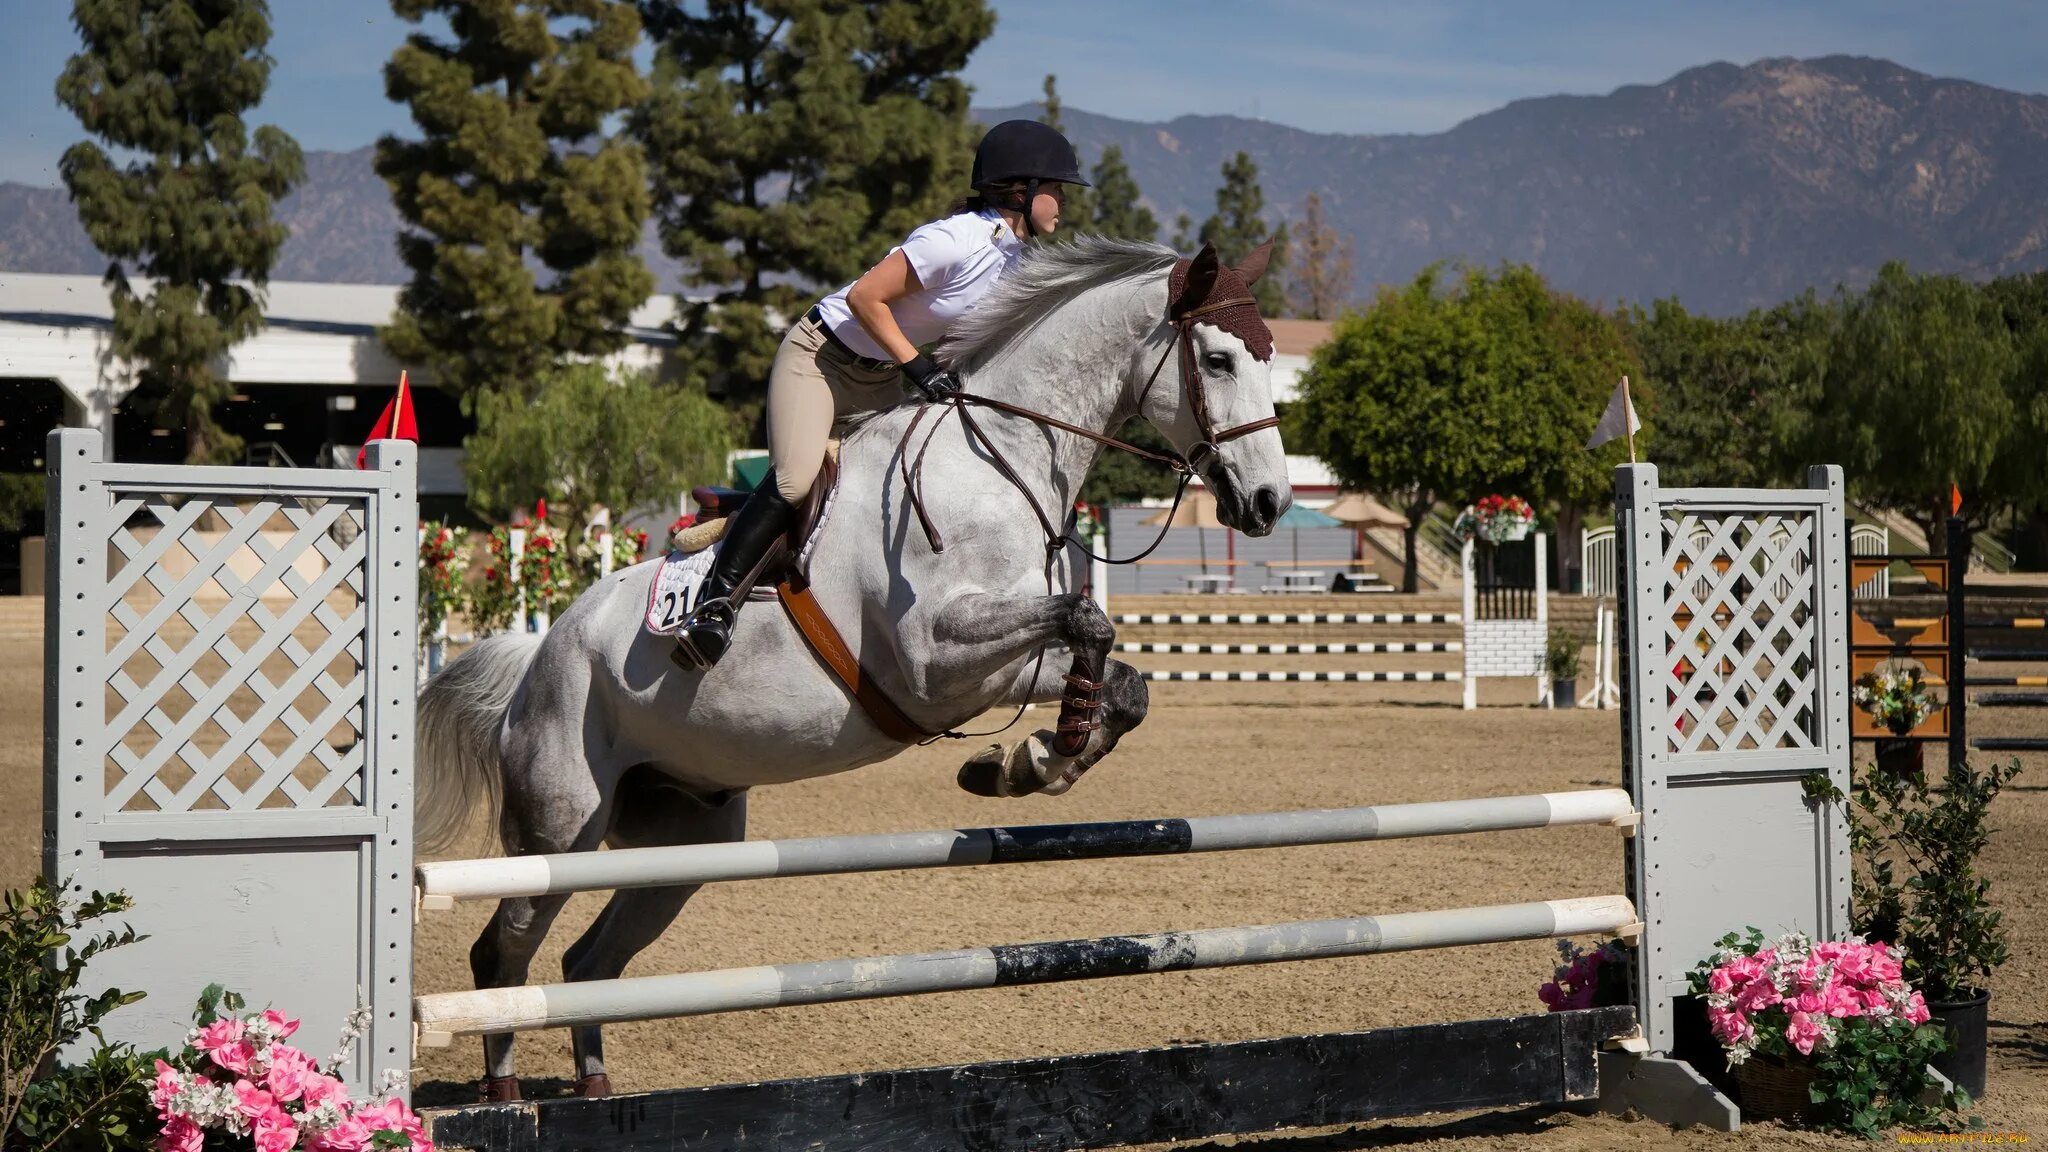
<point>812,384</point>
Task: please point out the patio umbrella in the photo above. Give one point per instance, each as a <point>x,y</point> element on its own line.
<point>1299,517</point>
<point>1197,510</point>
<point>1362,512</point>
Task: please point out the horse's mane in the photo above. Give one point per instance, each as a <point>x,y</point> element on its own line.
<point>1047,276</point>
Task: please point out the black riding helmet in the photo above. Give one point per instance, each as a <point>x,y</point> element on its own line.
<point>1028,151</point>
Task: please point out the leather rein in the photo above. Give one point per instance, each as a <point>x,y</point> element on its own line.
<point>1198,457</point>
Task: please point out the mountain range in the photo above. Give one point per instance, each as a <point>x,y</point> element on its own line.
<point>1726,186</point>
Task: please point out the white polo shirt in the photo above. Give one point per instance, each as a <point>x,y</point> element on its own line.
<point>957,260</point>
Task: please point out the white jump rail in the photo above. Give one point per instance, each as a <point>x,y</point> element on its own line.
<point>1187,618</point>
<point>1392,646</point>
<point>443,1016</point>
<point>441,884</point>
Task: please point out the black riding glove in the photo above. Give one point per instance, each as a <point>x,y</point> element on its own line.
<point>931,381</point>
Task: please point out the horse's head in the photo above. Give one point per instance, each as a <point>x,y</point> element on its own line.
<point>1213,399</point>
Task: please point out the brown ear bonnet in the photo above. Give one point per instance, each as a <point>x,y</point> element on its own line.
<point>1224,296</point>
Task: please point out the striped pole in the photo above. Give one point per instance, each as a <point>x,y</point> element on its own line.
<point>440,1017</point>
<point>1310,677</point>
<point>442,883</point>
<point>1291,618</point>
<point>1292,649</point>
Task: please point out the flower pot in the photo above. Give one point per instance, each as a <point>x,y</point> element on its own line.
<point>1774,1088</point>
<point>1505,531</point>
<point>1964,1021</point>
<point>1901,758</point>
<point>1564,693</point>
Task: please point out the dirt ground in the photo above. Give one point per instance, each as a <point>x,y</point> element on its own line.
<point>1205,749</point>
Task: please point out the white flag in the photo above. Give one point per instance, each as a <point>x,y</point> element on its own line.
<point>1618,420</point>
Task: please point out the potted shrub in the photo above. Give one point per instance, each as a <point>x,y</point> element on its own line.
<point>1898,699</point>
<point>1827,1034</point>
<point>1953,940</point>
<point>1561,662</point>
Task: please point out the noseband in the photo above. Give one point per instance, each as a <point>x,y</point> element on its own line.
<point>1202,453</point>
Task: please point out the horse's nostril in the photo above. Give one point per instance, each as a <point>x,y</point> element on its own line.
<point>1268,504</point>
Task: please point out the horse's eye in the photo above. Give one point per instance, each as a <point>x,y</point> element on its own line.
<point>1219,361</point>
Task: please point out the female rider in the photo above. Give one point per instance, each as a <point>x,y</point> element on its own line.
<point>856,349</point>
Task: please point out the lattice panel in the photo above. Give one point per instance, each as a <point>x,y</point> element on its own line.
<point>1740,631</point>
<point>235,648</point>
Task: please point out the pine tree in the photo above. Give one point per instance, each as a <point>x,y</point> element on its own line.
<point>1182,239</point>
<point>515,168</point>
<point>1077,215</point>
<point>793,143</point>
<point>1321,281</point>
<point>1239,226</point>
<point>168,81</point>
<point>1117,209</point>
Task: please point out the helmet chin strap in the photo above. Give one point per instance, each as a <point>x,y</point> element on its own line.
<point>1030,198</point>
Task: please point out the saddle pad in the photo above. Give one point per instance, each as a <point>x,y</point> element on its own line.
<point>675,585</point>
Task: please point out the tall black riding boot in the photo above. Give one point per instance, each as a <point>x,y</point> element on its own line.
<point>762,520</point>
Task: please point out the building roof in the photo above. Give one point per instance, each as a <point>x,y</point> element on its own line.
<point>291,305</point>
<point>1298,337</point>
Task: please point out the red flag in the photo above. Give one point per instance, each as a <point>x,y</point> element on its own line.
<point>1955,500</point>
<point>396,423</point>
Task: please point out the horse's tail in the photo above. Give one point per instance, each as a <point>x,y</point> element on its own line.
<point>460,713</point>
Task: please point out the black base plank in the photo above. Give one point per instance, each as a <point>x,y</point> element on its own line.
<point>2012,700</point>
<point>1098,1100</point>
<point>2010,744</point>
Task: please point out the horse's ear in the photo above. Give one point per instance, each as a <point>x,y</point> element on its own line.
<point>1200,281</point>
<point>1254,265</point>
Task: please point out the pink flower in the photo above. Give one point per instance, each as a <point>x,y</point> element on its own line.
<point>393,1116</point>
<point>280,1025</point>
<point>169,1081</point>
<point>180,1135</point>
<point>253,1102</point>
<point>275,1132</point>
<point>351,1135</point>
<point>1551,995</point>
<point>289,1071</point>
<point>1916,1009</point>
<point>223,1041</point>
<point>324,1090</point>
<point>1803,1032</point>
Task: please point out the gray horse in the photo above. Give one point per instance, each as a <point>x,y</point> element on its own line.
<point>592,736</point>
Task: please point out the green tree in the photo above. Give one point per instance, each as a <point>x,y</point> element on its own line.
<point>1182,238</point>
<point>794,142</point>
<point>1492,385</point>
<point>1117,203</point>
<point>1917,394</point>
<point>514,166</point>
<point>1730,398</point>
<point>1322,279</point>
<point>1239,225</point>
<point>2022,303</point>
<point>589,437</point>
<point>1077,215</point>
<point>167,83</point>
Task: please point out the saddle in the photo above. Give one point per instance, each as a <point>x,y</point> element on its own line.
<point>783,568</point>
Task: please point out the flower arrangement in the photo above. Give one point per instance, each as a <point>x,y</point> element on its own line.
<point>1835,1020</point>
<point>237,1084</point>
<point>1897,698</point>
<point>1587,979</point>
<point>1087,521</point>
<point>1495,519</point>
<point>545,575</point>
<point>675,530</point>
<point>444,562</point>
<point>494,596</point>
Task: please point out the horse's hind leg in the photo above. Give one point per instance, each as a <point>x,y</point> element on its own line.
<point>650,812</point>
<point>564,813</point>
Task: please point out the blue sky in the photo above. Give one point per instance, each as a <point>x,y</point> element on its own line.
<point>1326,65</point>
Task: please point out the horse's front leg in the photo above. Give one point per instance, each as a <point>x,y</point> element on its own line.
<point>979,635</point>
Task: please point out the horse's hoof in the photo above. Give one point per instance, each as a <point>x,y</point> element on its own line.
<point>983,775</point>
<point>501,1090</point>
<point>593,1086</point>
